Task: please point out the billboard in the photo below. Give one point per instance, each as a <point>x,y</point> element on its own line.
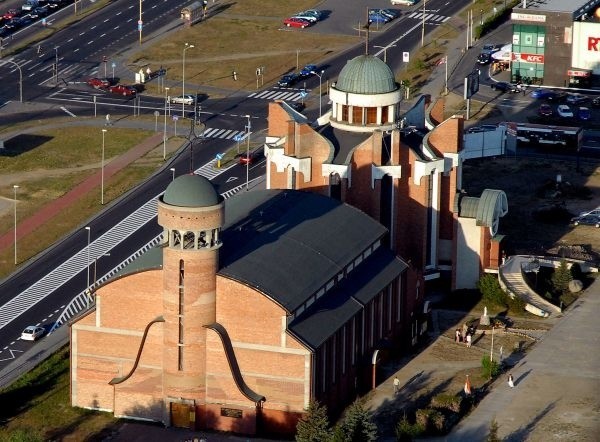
<point>586,46</point>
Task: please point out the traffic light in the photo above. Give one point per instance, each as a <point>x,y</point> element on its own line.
<point>234,73</point>
<point>104,59</point>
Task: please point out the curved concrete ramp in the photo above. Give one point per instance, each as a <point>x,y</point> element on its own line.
<point>511,279</point>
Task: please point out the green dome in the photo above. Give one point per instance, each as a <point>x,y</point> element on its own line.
<point>366,74</point>
<point>191,191</point>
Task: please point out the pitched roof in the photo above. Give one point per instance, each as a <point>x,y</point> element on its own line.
<point>288,244</point>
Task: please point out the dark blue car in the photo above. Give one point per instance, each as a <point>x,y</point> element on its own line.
<point>543,94</point>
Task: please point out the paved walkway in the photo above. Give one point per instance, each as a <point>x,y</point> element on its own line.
<point>557,386</point>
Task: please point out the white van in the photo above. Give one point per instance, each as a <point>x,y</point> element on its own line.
<point>404,2</point>
<point>30,5</point>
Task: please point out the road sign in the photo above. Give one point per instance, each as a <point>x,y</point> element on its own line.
<point>219,156</point>
<point>113,65</point>
<point>139,27</point>
<point>406,57</point>
<point>238,137</point>
<point>175,117</point>
<point>140,22</point>
<point>303,94</point>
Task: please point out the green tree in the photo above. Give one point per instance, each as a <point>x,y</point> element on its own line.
<point>490,289</point>
<point>356,425</point>
<point>493,434</point>
<point>314,426</point>
<point>489,369</point>
<point>561,277</point>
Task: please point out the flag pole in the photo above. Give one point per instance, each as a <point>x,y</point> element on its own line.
<point>446,83</point>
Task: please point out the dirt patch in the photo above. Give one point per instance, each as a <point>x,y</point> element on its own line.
<point>535,187</point>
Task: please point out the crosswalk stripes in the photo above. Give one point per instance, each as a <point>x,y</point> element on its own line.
<point>279,94</point>
<point>429,17</point>
<point>226,134</point>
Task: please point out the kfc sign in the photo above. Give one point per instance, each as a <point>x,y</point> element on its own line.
<point>528,58</point>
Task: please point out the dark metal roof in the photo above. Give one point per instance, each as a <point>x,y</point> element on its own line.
<point>339,305</point>
<point>287,244</point>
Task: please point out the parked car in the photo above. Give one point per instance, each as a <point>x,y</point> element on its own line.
<point>308,17</point>
<point>542,94</point>
<point>404,2</point>
<point>295,22</point>
<point>39,12</point>
<point>288,80</point>
<point>584,114</point>
<point>98,83</point>
<point>123,89</point>
<point>504,86</point>
<point>12,13</point>
<point>314,13</point>
<point>183,99</point>
<point>298,106</point>
<point>490,48</point>
<point>484,58</point>
<point>576,98</point>
<point>557,97</point>
<point>564,111</point>
<point>482,128</point>
<point>378,18</point>
<point>588,220</point>
<point>545,110</point>
<point>389,13</point>
<point>307,70</point>
<point>32,333</point>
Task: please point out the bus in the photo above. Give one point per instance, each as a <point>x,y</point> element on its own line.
<point>544,135</point>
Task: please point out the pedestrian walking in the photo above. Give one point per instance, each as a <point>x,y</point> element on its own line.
<point>511,382</point>
<point>458,336</point>
<point>468,341</point>
<point>396,384</point>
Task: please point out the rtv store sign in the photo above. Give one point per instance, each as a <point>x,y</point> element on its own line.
<point>586,46</point>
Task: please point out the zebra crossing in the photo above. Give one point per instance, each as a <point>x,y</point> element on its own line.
<point>225,134</point>
<point>281,94</point>
<point>436,18</point>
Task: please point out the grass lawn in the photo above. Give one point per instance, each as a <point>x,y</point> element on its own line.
<point>37,408</point>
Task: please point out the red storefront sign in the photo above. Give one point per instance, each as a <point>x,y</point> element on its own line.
<point>528,58</point>
<point>576,73</point>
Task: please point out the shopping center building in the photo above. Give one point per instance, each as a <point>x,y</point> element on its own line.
<point>556,43</point>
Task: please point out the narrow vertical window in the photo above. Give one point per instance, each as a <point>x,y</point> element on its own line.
<point>333,361</point>
<point>389,307</point>
<point>180,314</point>
<point>344,349</point>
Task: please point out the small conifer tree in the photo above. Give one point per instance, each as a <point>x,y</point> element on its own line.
<point>314,426</point>
<point>356,425</point>
<point>561,277</point>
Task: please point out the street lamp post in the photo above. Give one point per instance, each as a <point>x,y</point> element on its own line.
<point>187,46</point>
<point>20,79</point>
<point>423,26</point>
<point>248,153</point>
<point>172,173</point>
<point>165,128</point>
<point>96,266</point>
<point>15,187</point>
<point>55,64</point>
<point>320,83</point>
<point>89,230</point>
<point>102,172</point>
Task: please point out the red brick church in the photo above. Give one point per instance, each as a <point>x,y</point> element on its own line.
<point>254,306</point>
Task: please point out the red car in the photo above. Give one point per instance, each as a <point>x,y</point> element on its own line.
<point>296,22</point>
<point>545,110</point>
<point>12,13</point>
<point>98,83</point>
<point>252,158</point>
<point>122,89</point>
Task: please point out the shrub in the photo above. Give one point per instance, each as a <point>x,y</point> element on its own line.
<point>446,402</point>
<point>515,304</point>
<point>490,289</point>
<point>432,420</point>
<point>406,432</point>
<point>489,369</point>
